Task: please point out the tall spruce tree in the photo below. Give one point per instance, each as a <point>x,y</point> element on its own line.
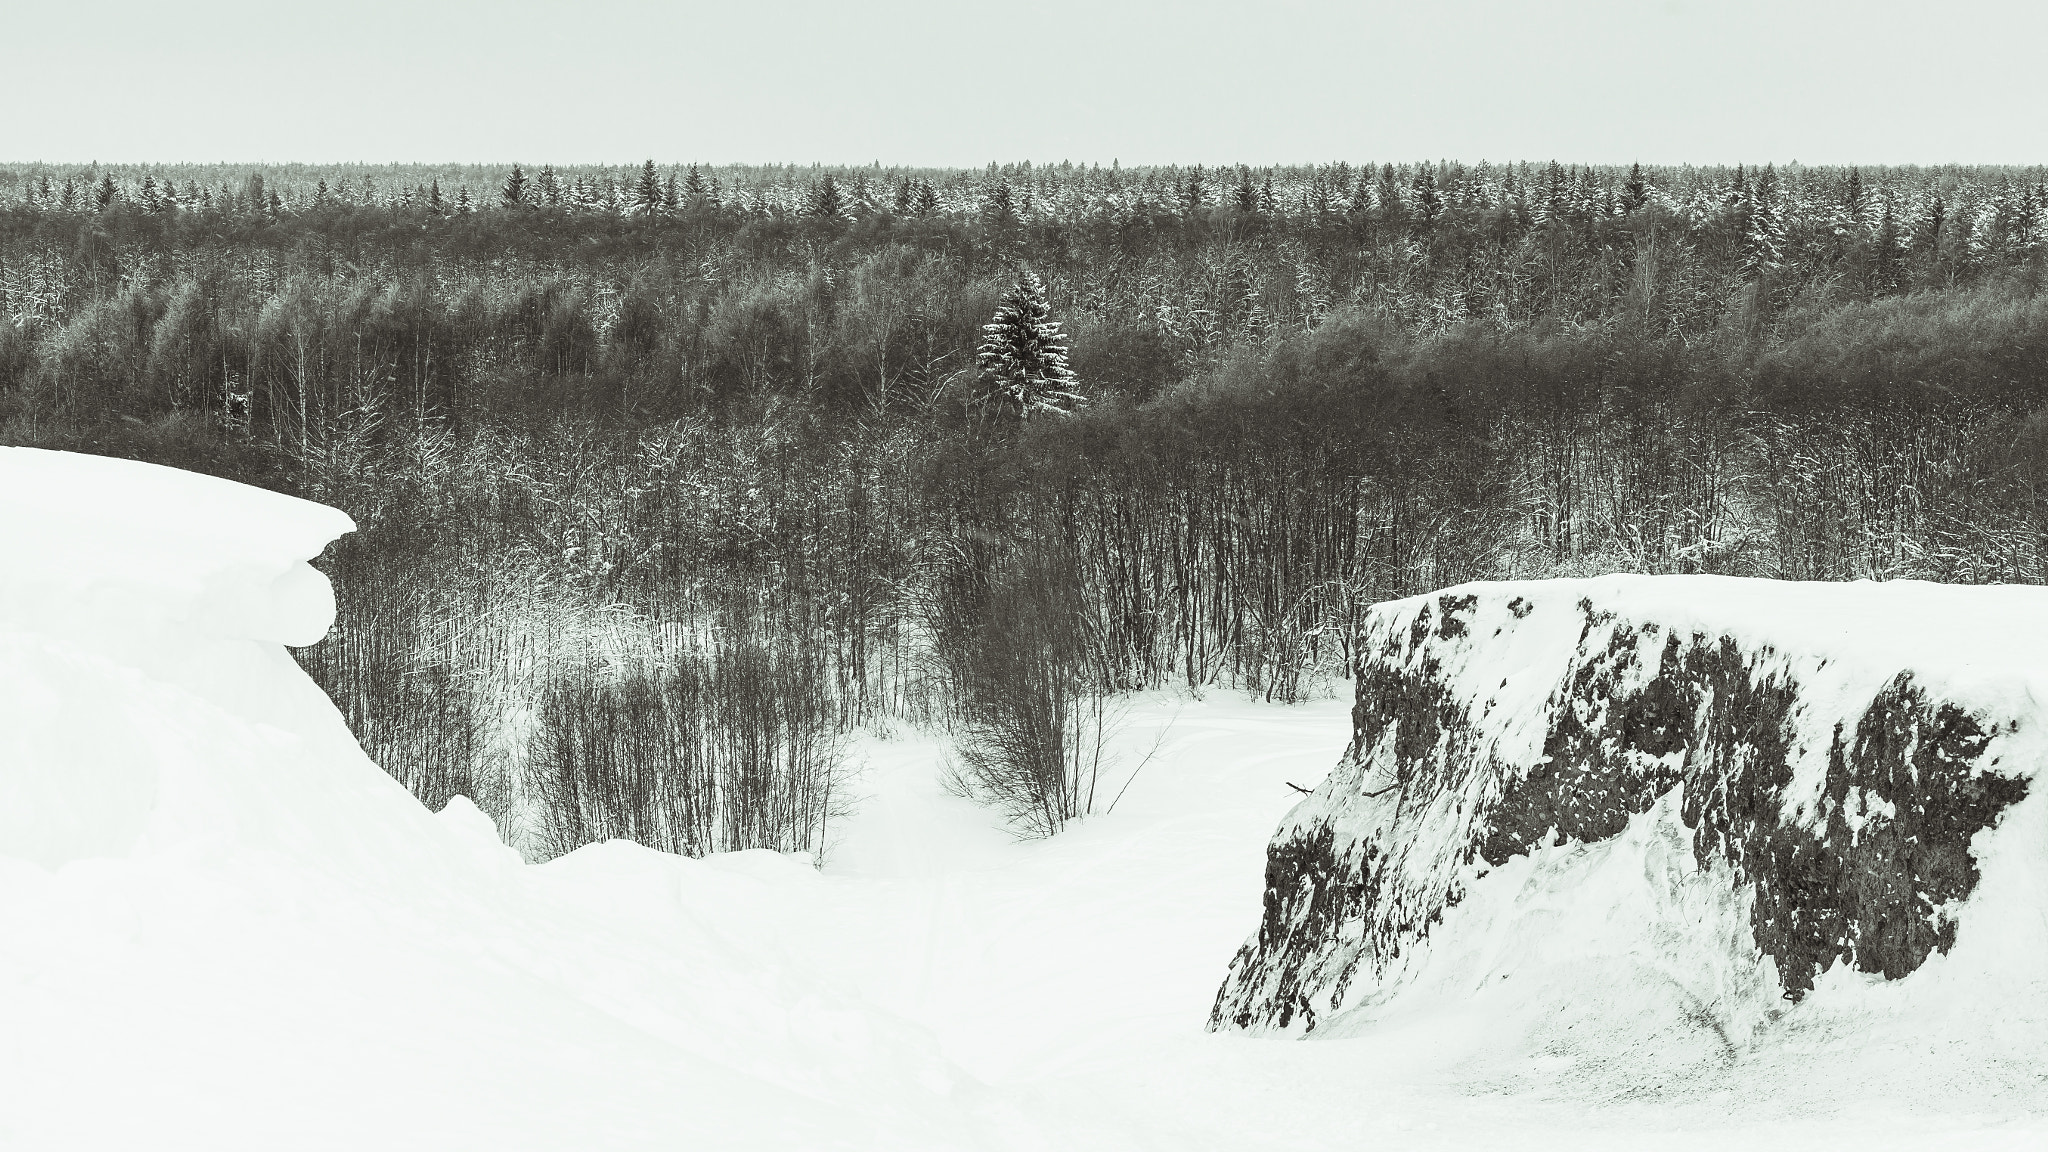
<point>1022,361</point>
<point>999,210</point>
<point>647,191</point>
<point>1428,202</point>
<point>826,202</point>
<point>1634,192</point>
<point>1246,198</point>
<point>1886,251</point>
<point>514,192</point>
<point>1764,239</point>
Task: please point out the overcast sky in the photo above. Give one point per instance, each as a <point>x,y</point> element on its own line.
<point>963,83</point>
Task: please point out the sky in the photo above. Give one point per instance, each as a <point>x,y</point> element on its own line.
<point>924,82</point>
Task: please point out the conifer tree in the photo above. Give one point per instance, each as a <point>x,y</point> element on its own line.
<point>694,192</point>
<point>1634,193</point>
<point>927,201</point>
<point>862,202</point>
<point>1937,217</point>
<point>463,207</point>
<point>1022,361</point>
<point>513,194</point>
<point>1763,240</point>
<point>550,186</point>
<point>106,194</point>
<point>647,191</point>
<point>1361,196</point>
<point>825,201</point>
<point>435,204</point>
<point>904,196</point>
<point>1885,250</point>
<point>147,197</point>
<point>1388,198</point>
<point>1193,194</point>
<point>999,211</point>
<point>1246,198</point>
<point>1428,201</point>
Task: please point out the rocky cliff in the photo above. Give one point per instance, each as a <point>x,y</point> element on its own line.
<point>1832,753</point>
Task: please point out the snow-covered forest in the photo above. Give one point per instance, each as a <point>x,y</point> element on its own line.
<point>671,476</point>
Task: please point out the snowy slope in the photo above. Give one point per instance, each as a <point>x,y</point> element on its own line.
<point>226,928</point>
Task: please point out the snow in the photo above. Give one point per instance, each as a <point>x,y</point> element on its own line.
<point>225,928</point>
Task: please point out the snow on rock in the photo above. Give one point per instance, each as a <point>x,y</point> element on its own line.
<point>1635,806</point>
<point>225,927</point>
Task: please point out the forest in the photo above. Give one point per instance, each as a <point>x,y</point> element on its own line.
<point>670,477</point>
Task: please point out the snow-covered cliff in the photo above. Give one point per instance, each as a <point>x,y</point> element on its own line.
<point>1747,786</point>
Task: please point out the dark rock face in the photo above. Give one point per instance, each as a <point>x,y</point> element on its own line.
<point>1863,865</point>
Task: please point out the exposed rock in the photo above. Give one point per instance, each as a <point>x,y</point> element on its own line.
<point>1836,757</point>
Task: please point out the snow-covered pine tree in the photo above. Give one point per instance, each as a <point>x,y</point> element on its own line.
<point>1022,361</point>
<point>1246,199</point>
<point>999,208</point>
<point>1428,203</point>
<point>647,191</point>
<point>1763,240</point>
<point>513,194</point>
<point>825,201</point>
<point>1849,221</point>
<point>1634,193</point>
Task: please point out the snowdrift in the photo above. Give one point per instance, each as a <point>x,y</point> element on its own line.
<point>1649,827</point>
<point>224,927</point>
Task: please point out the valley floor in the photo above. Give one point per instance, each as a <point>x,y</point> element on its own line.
<point>1073,976</point>
<point>938,984</point>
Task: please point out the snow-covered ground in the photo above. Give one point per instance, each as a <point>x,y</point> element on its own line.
<point>221,927</point>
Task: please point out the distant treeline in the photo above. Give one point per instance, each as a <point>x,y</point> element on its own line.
<point>666,475</point>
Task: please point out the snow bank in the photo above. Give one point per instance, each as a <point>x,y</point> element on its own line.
<point>226,928</point>
<point>94,544</point>
<point>1635,821</point>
